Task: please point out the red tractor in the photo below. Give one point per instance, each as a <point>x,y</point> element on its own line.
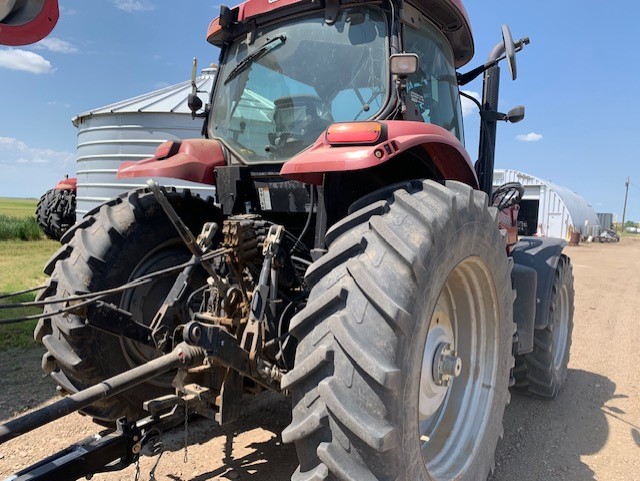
<point>352,258</point>
<point>56,209</point>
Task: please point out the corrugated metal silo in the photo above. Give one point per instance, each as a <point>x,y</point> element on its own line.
<point>132,130</point>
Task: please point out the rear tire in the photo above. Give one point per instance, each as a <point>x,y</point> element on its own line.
<point>364,402</point>
<point>543,372</point>
<point>56,212</point>
<point>62,213</point>
<point>125,238</point>
<point>42,212</point>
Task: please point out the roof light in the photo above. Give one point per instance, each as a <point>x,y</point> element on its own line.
<point>404,64</point>
<point>354,133</point>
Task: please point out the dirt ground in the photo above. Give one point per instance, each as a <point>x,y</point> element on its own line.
<point>591,432</point>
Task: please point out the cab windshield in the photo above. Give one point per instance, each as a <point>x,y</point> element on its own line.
<point>275,96</point>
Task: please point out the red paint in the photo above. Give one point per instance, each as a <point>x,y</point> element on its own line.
<point>194,162</point>
<point>34,30</point>
<point>67,184</point>
<point>213,31</point>
<point>446,151</point>
<point>457,4</point>
<point>163,150</point>
<point>253,8</point>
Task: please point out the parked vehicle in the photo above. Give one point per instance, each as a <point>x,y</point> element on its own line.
<point>608,235</point>
<point>351,258</point>
<point>56,209</point>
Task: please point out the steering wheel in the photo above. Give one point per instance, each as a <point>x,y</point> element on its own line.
<point>507,195</point>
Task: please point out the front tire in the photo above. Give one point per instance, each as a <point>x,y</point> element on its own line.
<point>424,267</point>
<point>543,372</point>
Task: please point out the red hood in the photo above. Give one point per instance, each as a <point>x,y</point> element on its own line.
<point>67,184</point>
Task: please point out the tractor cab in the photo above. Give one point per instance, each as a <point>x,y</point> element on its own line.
<point>291,69</point>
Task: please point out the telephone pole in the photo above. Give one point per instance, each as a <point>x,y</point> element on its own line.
<point>626,194</point>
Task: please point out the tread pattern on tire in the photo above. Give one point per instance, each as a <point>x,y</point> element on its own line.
<point>535,373</point>
<point>348,366</point>
<point>83,264</point>
<point>56,212</point>
<point>42,212</point>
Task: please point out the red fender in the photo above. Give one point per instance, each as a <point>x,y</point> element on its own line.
<point>446,151</point>
<point>192,160</point>
<point>22,24</point>
<point>67,184</point>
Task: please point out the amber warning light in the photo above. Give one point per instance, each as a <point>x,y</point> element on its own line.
<point>354,133</point>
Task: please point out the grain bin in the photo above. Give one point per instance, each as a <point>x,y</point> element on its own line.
<point>131,130</point>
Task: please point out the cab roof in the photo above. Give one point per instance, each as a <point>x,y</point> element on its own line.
<point>450,16</point>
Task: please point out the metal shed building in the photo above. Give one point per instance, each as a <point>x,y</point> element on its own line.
<point>549,209</point>
<point>132,130</point>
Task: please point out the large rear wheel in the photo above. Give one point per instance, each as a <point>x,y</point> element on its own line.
<point>405,346</point>
<point>123,239</point>
<point>42,213</point>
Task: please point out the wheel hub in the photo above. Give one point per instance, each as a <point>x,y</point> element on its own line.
<point>438,364</point>
<point>446,365</point>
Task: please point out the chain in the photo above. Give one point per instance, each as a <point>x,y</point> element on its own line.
<point>152,473</point>
<point>136,476</point>
<point>186,433</point>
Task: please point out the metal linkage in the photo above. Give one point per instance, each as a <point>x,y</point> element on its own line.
<point>95,454</point>
<point>253,334</point>
<point>183,356</point>
<point>109,451</point>
<point>185,234</point>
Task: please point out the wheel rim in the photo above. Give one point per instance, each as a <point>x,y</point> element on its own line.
<point>144,301</point>
<point>453,418</point>
<point>561,328</point>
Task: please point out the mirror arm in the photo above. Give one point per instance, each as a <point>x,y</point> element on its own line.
<point>465,78</point>
<point>493,116</point>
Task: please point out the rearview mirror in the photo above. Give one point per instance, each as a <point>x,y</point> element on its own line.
<point>510,49</point>
<point>516,114</point>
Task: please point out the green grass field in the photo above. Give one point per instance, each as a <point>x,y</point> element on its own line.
<point>18,207</point>
<point>17,219</point>
<point>21,265</point>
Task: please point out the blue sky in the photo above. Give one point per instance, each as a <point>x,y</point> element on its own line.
<point>578,80</point>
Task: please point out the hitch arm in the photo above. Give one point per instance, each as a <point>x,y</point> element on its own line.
<point>105,452</point>
<point>92,455</point>
<point>182,356</point>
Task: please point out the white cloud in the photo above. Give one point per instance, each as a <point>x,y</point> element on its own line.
<point>134,5</point>
<point>56,103</point>
<point>468,107</point>
<point>14,151</point>
<point>530,137</point>
<point>17,59</point>
<point>54,44</point>
<point>67,11</point>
